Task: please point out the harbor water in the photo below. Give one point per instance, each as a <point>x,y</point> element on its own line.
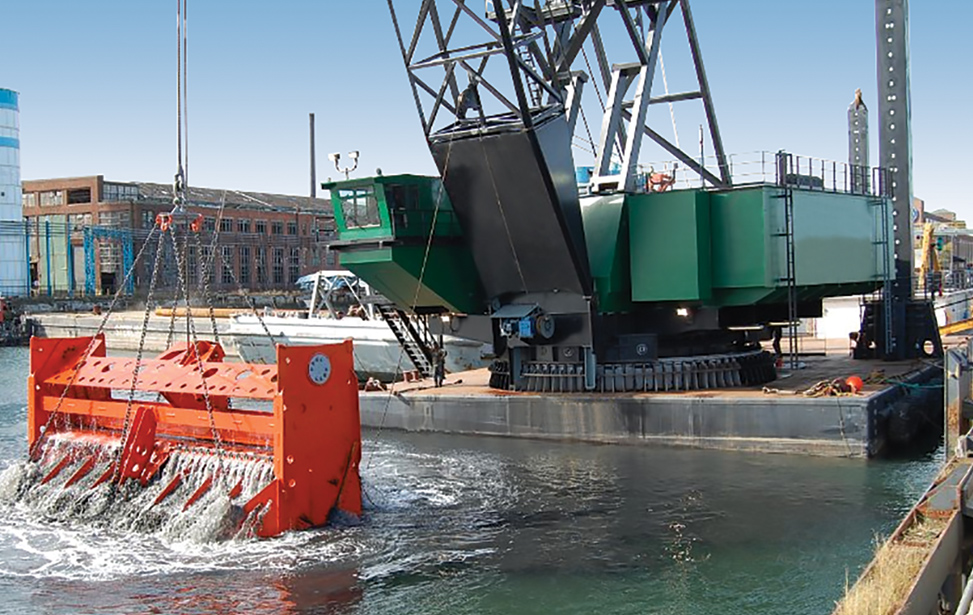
<point>489,525</point>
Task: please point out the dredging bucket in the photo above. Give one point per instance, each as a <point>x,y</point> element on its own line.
<point>185,441</point>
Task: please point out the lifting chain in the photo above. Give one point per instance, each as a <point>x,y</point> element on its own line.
<point>92,343</point>
<point>207,266</point>
<point>170,334</point>
<point>250,302</point>
<point>205,270</point>
<point>194,344</point>
<point>156,265</point>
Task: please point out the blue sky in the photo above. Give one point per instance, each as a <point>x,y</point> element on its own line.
<point>97,86</point>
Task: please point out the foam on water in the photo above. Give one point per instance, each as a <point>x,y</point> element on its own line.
<point>131,507</point>
<point>101,532</point>
<point>79,533</point>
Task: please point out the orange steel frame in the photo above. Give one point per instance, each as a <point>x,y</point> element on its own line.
<point>313,433</point>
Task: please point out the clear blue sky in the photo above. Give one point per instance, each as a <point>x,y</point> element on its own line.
<point>97,86</point>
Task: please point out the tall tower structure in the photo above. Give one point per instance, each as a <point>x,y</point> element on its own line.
<point>895,133</point>
<point>858,144</point>
<point>13,255</point>
<point>907,325</point>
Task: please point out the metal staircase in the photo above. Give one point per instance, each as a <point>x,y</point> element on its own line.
<point>533,88</point>
<point>416,342</point>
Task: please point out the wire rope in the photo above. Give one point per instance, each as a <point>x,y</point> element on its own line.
<point>415,297</point>
<point>672,110</point>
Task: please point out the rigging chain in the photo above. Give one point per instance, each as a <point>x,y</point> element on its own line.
<point>191,324</point>
<point>126,425</point>
<point>249,299</point>
<point>209,267</point>
<point>170,334</point>
<point>91,345</point>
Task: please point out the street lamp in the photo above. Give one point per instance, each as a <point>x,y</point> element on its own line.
<point>335,158</point>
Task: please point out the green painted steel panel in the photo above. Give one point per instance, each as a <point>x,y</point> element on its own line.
<point>670,246</point>
<point>834,238</point>
<point>835,251</point>
<point>739,239</point>
<point>449,280</point>
<point>606,233</point>
<point>386,222</point>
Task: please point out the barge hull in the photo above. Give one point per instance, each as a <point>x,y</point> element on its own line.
<point>772,421</point>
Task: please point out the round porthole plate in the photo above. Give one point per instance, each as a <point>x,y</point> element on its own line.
<point>319,369</point>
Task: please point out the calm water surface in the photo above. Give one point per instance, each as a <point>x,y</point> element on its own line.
<point>466,525</point>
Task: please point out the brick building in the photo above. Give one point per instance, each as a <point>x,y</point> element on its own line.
<point>83,233</point>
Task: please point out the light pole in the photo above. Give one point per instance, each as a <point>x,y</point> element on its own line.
<point>336,158</point>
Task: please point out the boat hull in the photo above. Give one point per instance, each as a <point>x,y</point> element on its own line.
<point>377,352</point>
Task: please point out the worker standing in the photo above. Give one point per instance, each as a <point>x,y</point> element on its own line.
<point>778,332</point>
<point>438,364</point>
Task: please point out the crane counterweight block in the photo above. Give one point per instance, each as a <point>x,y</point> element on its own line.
<point>282,442</point>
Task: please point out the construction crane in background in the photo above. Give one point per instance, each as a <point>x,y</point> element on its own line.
<point>929,262</point>
<point>895,154</point>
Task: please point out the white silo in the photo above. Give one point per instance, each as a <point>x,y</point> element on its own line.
<point>13,247</point>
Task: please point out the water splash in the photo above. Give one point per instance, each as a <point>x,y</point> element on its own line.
<point>42,488</point>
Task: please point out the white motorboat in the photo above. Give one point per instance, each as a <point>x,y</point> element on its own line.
<point>347,310</point>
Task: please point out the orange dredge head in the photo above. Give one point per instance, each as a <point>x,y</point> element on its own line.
<point>181,442</point>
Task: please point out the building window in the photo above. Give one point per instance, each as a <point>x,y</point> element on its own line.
<point>111,193</point>
<point>243,225</point>
<point>79,195</point>
<point>295,265</point>
<point>292,228</point>
<point>148,218</point>
<point>261,266</point>
<point>115,218</point>
<point>226,261</point>
<point>77,223</point>
<point>226,225</point>
<point>278,266</point>
<point>29,199</point>
<point>276,228</point>
<point>52,198</point>
<point>192,267</point>
<point>261,227</point>
<point>244,265</point>
<point>209,224</point>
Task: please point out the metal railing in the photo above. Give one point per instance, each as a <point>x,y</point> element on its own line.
<point>773,168</point>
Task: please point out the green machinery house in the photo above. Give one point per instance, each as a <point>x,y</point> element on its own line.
<point>683,249</point>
